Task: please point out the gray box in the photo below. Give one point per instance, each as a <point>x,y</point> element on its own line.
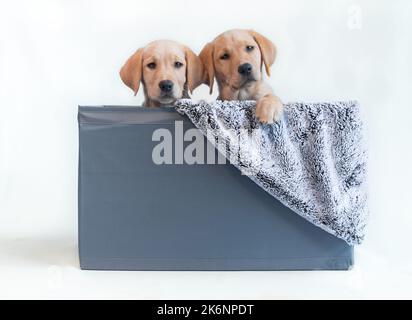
<point>136,215</point>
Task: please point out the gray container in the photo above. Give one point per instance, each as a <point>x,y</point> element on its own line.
<point>136,215</point>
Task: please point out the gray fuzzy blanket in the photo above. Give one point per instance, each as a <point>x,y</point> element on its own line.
<point>313,160</point>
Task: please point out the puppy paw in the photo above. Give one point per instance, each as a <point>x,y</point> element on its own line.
<point>269,109</point>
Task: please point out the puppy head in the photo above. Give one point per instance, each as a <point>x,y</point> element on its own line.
<point>236,58</point>
<point>165,68</point>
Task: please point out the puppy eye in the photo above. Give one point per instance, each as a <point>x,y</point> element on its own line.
<point>151,65</point>
<point>178,64</point>
<point>249,48</point>
<point>225,56</point>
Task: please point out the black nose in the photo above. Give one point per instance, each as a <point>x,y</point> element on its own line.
<point>166,85</point>
<point>245,69</point>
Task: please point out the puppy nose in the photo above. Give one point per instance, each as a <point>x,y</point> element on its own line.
<point>245,69</point>
<point>166,85</point>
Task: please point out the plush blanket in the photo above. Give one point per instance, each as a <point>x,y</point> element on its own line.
<point>313,160</point>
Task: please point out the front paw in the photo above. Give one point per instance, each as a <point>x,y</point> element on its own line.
<point>269,109</point>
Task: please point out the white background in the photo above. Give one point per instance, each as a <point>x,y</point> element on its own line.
<point>55,55</point>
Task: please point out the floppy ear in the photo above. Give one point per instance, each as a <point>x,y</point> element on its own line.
<point>267,49</point>
<point>194,70</point>
<point>131,72</point>
<point>206,55</point>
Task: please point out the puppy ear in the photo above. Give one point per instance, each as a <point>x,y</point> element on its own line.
<point>131,72</point>
<point>267,49</point>
<point>194,70</point>
<point>206,55</point>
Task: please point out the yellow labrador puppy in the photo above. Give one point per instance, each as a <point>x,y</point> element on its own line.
<point>167,71</point>
<point>236,58</point>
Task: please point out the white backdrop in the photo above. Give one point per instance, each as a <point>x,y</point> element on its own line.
<point>55,55</point>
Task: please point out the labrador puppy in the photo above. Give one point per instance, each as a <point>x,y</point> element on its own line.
<point>236,58</point>
<point>167,71</point>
